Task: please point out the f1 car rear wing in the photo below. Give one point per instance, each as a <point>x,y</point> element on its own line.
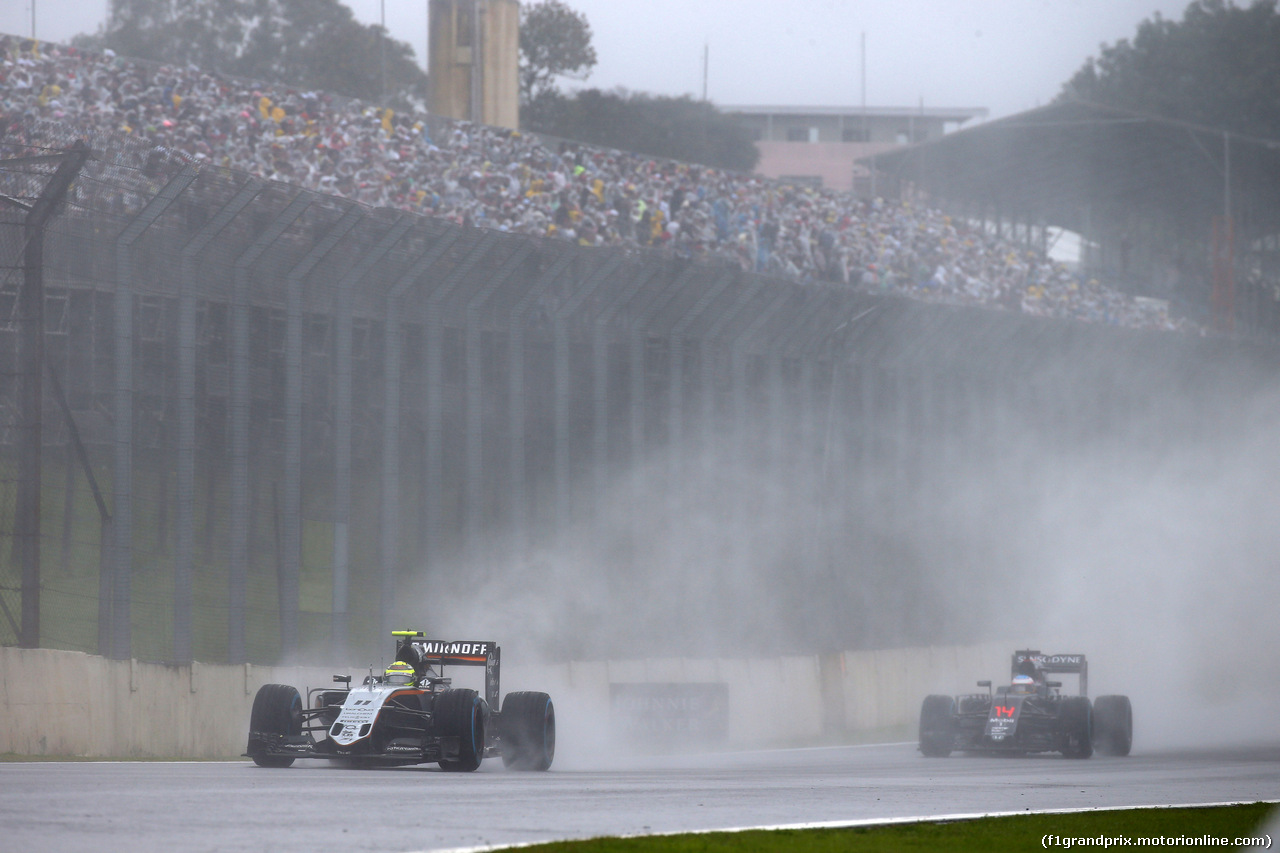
<point>441,653</point>
<point>1050,664</point>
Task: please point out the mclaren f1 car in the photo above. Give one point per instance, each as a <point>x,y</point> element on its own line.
<point>1031,714</point>
<point>410,714</point>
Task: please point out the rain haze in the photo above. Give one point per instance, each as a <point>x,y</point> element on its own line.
<point>1153,548</point>
<point>1004,55</point>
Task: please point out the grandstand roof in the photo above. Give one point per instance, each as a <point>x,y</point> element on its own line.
<point>956,114</point>
<point>1061,163</point>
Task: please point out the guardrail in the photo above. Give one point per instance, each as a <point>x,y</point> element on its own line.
<point>62,703</point>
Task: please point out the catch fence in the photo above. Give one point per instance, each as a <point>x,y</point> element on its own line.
<point>277,424</point>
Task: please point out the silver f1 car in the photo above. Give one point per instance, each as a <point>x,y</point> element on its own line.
<point>1029,715</point>
<point>412,714</point>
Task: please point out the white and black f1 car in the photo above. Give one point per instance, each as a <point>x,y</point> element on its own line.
<point>411,714</point>
<point>1029,715</point>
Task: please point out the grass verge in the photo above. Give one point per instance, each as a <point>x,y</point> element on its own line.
<point>1022,832</point>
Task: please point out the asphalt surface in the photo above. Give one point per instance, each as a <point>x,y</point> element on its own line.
<point>66,807</point>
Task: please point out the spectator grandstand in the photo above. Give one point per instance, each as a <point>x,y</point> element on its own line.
<point>499,179</point>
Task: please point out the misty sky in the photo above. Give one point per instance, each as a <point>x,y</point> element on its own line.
<point>1006,55</point>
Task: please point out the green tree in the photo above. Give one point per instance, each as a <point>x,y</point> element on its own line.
<point>1219,66</point>
<point>681,129</point>
<point>555,41</point>
<point>309,44</point>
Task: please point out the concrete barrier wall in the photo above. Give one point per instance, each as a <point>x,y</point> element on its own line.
<point>883,689</point>
<point>69,703</point>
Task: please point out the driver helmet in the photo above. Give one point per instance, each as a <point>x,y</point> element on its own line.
<point>1023,683</point>
<point>399,674</point>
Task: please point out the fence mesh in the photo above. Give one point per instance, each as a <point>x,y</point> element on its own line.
<point>276,423</point>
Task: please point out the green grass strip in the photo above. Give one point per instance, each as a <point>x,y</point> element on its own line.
<point>1018,833</point>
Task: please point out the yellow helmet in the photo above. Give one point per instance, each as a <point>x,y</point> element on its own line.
<point>400,674</point>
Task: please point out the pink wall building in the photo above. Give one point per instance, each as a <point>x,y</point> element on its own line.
<point>819,145</point>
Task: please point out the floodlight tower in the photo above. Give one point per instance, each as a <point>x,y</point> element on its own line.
<point>473,57</point>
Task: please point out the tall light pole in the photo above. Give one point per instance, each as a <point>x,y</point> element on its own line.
<point>866,131</point>
<point>382,42</point>
<point>706,61</point>
<point>706,105</point>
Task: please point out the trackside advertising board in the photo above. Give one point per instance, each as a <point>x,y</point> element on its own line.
<point>665,713</point>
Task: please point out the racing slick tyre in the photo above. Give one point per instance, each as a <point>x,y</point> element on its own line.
<point>937,726</point>
<point>1112,725</point>
<point>277,710</point>
<point>528,728</point>
<point>460,714</point>
<point>1076,721</point>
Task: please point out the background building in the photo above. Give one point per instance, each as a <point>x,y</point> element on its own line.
<point>1161,208</point>
<point>819,145</point>
<point>473,61</point>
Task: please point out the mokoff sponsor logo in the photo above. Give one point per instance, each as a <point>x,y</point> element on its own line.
<point>434,647</point>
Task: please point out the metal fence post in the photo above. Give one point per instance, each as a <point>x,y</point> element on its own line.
<point>602,276</point>
<point>122,479</point>
<point>745,298</point>
<point>677,485</point>
<point>183,559</point>
<point>740,351</point>
<point>710,422</point>
<point>291,523</point>
<point>639,329</point>
<point>31,367</point>
<point>676,368</point>
<point>475,395</point>
<point>786,344</point>
<point>518,415</point>
<point>392,342</point>
<point>342,432</point>
<point>435,387</point>
<point>814,329</point>
<point>741,418</point>
<point>860,376</point>
<point>238,412</point>
<point>560,342</point>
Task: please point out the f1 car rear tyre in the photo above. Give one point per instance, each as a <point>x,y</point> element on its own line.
<point>461,714</point>
<point>937,726</point>
<point>528,728</point>
<point>1076,721</point>
<point>277,710</point>
<point>1112,725</point>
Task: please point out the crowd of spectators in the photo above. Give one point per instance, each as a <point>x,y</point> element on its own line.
<point>496,178</point>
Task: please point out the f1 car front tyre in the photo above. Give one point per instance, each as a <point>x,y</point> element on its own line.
<point>1112,725</point>
<point>277,710</point>
<point>937,726</point>
<point>1076,726</point>
<point>528,728</point>
<point>461,714</point>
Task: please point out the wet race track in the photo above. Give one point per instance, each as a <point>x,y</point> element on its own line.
<point>235,806</point>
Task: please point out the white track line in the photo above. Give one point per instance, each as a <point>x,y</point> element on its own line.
<point>847,824</point>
